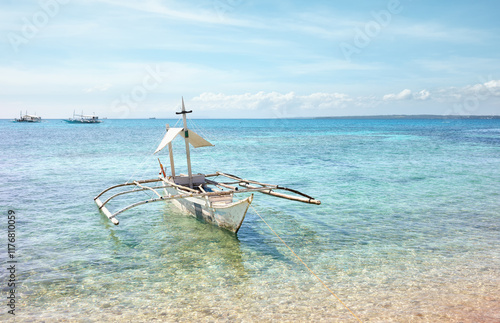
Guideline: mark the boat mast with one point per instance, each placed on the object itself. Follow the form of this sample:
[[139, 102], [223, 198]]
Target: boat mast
[[171, 154], [186, 140]]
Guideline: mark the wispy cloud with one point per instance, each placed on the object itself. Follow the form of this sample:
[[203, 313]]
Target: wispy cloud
[[98, 88], [178, 11], [403, 95], [323, 65], [271, 100], [436, 32]]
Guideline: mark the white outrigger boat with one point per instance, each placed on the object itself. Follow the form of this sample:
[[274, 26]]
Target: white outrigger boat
[[28, 118], [198, 194], [81, 118]]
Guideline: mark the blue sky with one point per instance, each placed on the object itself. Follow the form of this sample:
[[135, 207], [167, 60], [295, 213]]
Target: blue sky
[[249, 59]]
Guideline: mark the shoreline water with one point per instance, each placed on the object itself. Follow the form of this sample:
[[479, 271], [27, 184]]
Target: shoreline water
[[408, 229]]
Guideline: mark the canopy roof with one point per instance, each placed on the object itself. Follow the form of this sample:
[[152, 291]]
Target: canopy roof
[[194, 139]]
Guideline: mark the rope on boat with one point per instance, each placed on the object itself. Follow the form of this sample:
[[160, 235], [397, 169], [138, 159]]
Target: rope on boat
[[310, 270], [201, 131], [146, 158]]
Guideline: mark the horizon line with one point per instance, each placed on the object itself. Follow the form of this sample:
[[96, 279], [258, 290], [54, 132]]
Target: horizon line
[[377, 116]]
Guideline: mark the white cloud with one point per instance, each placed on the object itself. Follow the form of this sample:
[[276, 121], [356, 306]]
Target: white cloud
[[491, 88], [431, 31], [483, 91], [321, 65], [403, 95], [175, 10], [98, 88], [422, 95], [272, 100], [291, 104]]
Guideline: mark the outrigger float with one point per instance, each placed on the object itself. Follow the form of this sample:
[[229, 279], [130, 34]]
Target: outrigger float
[[199, 194]]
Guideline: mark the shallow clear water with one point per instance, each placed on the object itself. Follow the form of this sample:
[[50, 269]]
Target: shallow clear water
[[408, 229]]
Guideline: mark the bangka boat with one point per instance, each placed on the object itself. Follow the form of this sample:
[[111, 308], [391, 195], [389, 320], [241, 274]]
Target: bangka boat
[[81, 118], [28, 118], [201, 195]]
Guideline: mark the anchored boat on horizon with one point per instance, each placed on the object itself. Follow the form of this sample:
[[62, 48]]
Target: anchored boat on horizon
[[81, 118], [28, 118], [201, 195]]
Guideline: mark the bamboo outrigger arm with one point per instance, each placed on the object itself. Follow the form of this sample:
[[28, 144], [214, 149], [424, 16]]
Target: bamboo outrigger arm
[[306, 199], [268, 189], [105, 210], [142, 188], [131, 191], [126, 184]]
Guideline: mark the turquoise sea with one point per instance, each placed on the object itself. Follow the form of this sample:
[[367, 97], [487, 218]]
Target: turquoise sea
[[408, 229]]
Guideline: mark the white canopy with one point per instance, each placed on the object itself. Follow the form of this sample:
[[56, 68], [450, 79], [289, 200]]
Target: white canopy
[[194, 139]]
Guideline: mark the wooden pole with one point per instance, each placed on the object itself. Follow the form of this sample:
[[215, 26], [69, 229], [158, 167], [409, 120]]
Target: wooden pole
[[284, 196], [246, 180], [222, 184], [171, 155], [126, 184], [106, 212], [161, 168], [131, 191], [186, 140]]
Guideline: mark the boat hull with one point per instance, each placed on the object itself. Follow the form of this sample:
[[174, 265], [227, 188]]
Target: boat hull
[[32, 121], [229, 216], [79, 121]]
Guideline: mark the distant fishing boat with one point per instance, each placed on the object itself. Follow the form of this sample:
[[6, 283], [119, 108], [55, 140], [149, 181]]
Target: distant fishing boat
[[28, 118], [198, 194], [81, 118]]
